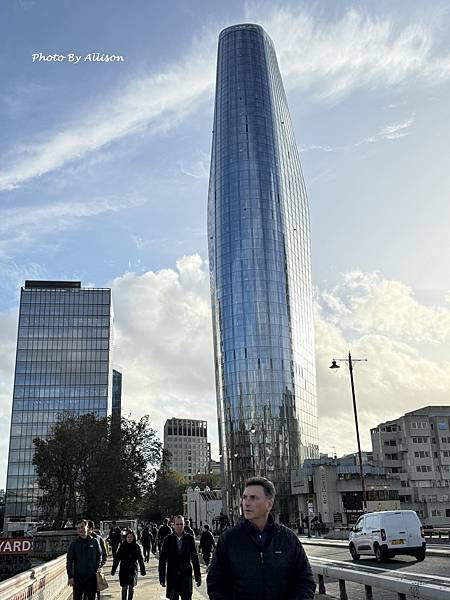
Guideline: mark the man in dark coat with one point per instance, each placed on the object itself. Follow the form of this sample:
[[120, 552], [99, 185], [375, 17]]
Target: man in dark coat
[[207, 544], [163, 531], [83, 562], [259, 559], [188, 528], [146, 541], [179, 554], [114, 538]]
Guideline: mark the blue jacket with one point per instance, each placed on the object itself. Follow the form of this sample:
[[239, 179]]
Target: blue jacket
[[83, 557]]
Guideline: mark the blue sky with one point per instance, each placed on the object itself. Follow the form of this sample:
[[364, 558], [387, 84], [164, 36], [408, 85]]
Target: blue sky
[[104, 175]]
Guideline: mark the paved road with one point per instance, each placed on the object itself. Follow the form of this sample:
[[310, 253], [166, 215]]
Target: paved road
[[432, 567]]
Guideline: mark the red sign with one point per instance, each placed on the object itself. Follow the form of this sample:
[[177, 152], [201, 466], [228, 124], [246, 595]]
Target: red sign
[[15, 545]]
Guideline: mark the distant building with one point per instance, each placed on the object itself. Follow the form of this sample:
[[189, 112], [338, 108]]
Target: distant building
[[203, 507], [116, 403], [187, 442], [330, 488], [62, 364], [416, 448]]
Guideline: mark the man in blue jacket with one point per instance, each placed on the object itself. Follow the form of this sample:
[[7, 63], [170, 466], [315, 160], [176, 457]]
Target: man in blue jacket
[[83, 562], [259, 559]]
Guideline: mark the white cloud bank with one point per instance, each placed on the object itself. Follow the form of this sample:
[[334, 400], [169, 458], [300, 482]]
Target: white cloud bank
[[328, 59], [163, 342]]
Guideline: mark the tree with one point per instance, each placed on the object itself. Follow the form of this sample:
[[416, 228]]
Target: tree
[[166, 496], [87, 467]]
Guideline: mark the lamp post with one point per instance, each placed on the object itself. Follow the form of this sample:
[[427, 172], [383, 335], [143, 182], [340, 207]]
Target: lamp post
[[350, 362]]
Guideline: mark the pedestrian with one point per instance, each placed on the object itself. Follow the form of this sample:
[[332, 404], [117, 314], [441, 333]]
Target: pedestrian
[[188, 528], [83, 562], [163, 532], [101, 541], [154, 532], [207, 544], [129, 556], [146, 541], [179, 556], [259, 559], [114, 538]]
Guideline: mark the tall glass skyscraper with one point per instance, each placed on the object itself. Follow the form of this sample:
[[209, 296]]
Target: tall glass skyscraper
[[260, 267], [62, 364]]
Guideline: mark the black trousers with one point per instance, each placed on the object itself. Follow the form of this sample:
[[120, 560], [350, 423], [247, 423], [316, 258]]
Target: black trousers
[[85, 586]]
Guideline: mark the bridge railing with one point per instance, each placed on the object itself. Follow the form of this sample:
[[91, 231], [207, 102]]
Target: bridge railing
[[439, 533], [403, 587], [45, 582]]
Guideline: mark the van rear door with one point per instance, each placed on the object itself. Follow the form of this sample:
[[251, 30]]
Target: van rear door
[[395, 528], [412, 527]]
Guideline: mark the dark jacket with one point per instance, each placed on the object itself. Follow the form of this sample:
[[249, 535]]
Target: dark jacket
[[207, 542], [128, 555], [83, 557], [242, 570], [163, 532], [103, 549], [179, 565], [115, 536], [146, 538]]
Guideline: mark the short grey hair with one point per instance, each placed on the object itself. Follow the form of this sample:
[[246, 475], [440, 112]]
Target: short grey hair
[[266, 484]]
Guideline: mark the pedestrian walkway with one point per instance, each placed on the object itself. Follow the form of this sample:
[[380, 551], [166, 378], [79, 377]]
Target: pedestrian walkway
[[148, 587]]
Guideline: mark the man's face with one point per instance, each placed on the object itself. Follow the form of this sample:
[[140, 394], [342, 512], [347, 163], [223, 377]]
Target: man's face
[[179, 526], [255, 503], [82, 530]]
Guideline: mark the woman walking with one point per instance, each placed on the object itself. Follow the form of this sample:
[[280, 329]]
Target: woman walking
[[129, 555]]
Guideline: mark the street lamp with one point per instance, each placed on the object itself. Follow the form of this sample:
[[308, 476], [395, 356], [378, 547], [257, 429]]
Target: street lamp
[[350, 362]]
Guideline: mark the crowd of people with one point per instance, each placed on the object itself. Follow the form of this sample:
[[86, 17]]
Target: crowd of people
[[255, 560]]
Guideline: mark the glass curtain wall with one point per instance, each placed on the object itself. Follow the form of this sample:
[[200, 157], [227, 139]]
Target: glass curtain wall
[[62, 364], [260, 268]]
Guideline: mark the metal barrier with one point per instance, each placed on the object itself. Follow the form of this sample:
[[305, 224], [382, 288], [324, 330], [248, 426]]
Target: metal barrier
[[46, 582], [402, 586], [440, 533]]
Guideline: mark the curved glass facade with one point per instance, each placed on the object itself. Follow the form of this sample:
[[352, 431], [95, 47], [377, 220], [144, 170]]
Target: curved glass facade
[[259, 251]]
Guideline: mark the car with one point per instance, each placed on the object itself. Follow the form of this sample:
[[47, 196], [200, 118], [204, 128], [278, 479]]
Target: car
[[386, 534]]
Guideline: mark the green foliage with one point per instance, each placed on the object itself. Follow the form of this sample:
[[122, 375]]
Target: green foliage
[[95, 468], [166, 497]]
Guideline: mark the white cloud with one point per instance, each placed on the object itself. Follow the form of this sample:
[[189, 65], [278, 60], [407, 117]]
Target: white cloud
[[197, 169], [328, 59], [153, 103], [338, 57], [163, 342], [397, 130], [21, 226]]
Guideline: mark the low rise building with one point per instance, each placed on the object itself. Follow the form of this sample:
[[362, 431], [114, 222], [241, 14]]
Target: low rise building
[[416, 448], [330, 489], [203, 507]]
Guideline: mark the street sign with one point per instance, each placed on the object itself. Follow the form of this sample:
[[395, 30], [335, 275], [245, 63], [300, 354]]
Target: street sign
[[15, 546], [310, 508]]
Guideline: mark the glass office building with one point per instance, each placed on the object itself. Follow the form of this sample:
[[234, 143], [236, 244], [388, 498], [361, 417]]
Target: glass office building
[[62, 364], [260, 268]]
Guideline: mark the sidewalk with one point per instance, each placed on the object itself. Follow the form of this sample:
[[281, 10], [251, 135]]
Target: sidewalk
[[148, 587]]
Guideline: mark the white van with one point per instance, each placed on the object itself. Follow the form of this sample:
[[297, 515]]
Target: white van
[[385, 534]]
